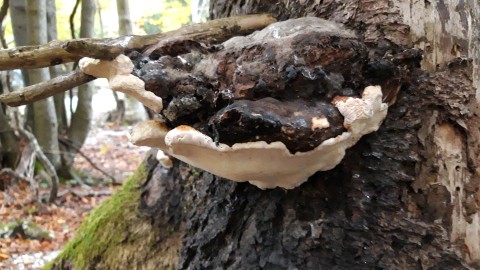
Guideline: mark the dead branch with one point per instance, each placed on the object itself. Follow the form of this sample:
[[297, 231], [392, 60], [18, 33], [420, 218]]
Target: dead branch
[[90, 193], [46, 89], [77, 149], [72, 17], [58, 52], [81, 194], [26, 168], [47, 165]]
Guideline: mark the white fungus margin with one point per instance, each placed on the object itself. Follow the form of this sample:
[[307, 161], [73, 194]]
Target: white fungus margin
[[270, 165]]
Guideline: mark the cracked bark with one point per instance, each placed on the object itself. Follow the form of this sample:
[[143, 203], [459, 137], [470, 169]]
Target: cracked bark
[[405, 197]]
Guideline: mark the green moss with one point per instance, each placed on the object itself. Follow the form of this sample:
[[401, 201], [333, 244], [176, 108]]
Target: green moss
[[117, 236]]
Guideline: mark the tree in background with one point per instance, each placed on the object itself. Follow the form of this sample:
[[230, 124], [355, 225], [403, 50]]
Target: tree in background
[[34, 22], [174, 15], [81, 120], [129, 107], [71, 132], [45, 126]]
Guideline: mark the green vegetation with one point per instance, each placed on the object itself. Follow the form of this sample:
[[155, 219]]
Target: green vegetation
[[117, 236], [147, 16], [174, 15]]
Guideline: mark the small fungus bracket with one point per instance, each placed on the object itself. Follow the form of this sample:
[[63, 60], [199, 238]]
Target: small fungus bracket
[[118, 73]]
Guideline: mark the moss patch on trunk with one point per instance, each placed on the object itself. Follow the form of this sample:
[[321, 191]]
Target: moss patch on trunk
[[117, 236]]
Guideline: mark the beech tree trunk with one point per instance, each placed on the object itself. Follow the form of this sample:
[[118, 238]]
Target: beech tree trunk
[[82, 117], [404, 197], [124, 21], [45, 126], [127, 107], [56, 71]]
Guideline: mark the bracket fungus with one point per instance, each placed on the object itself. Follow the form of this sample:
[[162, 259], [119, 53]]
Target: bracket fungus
[[268, 165], [118, 72], [271, 108]]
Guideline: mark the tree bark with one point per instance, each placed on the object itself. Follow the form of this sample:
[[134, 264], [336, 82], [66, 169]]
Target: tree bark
[[82, 118], [56, 71], [124, 21], [404, 197], [18, 16], [45, 120], [8, 142], [130, 108]]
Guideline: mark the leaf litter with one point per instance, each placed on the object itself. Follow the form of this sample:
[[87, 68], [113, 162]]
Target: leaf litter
[[110, 150]]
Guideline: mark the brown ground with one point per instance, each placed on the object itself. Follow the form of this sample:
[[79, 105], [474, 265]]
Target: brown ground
[[108, 147]]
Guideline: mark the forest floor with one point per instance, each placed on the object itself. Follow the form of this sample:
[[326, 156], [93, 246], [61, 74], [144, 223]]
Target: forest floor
[[109, 149]]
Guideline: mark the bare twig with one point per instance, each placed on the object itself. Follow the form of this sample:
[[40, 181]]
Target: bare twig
[[47, 165], [3, 13], [46, 89], [72, 17], [91, 193], [77, 149], [57, 52]]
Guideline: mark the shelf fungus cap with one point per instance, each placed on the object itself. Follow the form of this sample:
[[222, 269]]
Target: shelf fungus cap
[[118, 72], [268, 165], [150, 133]]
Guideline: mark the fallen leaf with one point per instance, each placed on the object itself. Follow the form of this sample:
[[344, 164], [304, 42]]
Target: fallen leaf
[[3, 256]]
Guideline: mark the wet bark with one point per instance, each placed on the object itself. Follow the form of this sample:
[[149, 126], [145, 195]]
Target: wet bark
[[404, 197]]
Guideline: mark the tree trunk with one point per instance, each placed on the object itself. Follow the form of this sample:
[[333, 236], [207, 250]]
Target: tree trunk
[[404, 197], [56, 71], [199, 10], [82, 118], [124, 21], [8, 142], [129, 107], [18, 16], [45, 120]]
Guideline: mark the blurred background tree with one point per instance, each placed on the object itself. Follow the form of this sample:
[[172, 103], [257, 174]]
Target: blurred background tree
[[61, 124]]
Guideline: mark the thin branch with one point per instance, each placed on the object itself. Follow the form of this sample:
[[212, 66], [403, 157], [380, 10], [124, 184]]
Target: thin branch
[[46, 89], [3, 14], [77, 149], [90, 193], [47, 165], [57, 52], [72, 17]]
